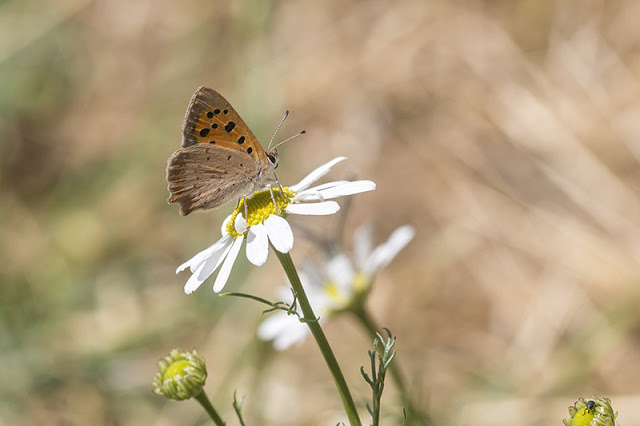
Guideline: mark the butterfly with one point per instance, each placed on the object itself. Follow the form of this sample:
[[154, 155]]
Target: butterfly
[[220, 158]]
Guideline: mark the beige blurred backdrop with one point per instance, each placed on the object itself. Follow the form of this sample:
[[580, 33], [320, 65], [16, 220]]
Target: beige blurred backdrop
[[506, 132]]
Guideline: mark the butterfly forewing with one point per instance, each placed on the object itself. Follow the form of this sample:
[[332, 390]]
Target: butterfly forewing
[[210, 119]]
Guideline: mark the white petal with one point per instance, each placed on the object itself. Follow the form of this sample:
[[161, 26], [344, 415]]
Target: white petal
[[308, 195], [275, 324], [196, 261], [330, 185], [296, 335], [193, 282], [327, 207], [223, 275], [207, 267], [384, 253], [284, 329], [223, 228], [317, 192], [257, 245], [280, 233], [349, 188], [362, 243], [316, 174], [240, 224], [341, 272]]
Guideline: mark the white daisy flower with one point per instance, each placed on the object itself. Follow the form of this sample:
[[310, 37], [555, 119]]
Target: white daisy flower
[[266, 223], [337, 287]]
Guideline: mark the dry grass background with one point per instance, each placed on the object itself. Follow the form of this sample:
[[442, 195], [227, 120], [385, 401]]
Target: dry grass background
[[506, 132]]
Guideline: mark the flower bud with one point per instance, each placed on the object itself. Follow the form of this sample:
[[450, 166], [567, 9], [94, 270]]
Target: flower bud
[[180, 376], [591, 412]]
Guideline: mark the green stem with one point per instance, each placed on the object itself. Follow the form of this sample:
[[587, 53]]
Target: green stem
[[204, 401], [417, 416], [318, 334]]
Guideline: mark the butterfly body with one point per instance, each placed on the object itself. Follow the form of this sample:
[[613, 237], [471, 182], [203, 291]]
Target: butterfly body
[[220, 158]]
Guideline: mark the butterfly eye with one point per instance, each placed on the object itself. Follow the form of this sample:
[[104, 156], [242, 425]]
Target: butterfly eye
[[273, 158]]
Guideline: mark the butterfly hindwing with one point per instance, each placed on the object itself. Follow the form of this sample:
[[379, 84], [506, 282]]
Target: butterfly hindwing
[[199, 176], [210, 119]]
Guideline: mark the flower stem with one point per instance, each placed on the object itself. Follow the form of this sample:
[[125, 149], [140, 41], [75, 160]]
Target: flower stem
[[416, 415], [318, 334], [204, 401]]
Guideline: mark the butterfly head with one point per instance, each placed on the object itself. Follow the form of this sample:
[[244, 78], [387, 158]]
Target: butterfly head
[[273, 157]]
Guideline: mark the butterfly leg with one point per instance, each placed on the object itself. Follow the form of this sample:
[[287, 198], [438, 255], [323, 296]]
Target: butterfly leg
[[279, 186], [246, 212], [273, 199]]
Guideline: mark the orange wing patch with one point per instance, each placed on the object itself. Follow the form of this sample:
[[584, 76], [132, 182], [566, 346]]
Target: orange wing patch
[[212, 120]]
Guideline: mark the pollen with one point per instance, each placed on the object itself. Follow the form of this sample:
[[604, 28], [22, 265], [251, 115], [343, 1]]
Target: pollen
[[260, 206]]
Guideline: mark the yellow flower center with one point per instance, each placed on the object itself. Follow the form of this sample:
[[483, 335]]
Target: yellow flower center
[[343, 300], [360, 282], [260, 207], [177, 368], [583, 417], [335, 294]]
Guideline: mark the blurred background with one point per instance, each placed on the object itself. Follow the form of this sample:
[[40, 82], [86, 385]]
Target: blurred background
[[506, 132]]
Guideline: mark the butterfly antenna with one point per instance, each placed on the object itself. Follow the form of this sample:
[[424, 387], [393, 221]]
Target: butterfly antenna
[[286, 113], [288, 139]]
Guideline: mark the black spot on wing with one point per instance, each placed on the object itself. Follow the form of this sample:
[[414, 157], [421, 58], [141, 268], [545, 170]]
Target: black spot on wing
[[229, 126]]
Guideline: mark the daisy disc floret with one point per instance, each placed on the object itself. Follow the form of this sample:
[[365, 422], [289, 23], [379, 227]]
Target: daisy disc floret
[[266, 223]]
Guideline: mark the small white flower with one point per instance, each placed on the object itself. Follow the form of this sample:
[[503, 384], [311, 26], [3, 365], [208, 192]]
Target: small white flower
[[334, 288], [265, 223]]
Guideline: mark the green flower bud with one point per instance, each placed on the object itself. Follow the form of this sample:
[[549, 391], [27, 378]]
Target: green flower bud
[[180, 376], [591, 412]]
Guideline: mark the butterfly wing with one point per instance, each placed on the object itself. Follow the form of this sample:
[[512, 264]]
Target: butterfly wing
[[210, 119], [207, 176], [220, 159]]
